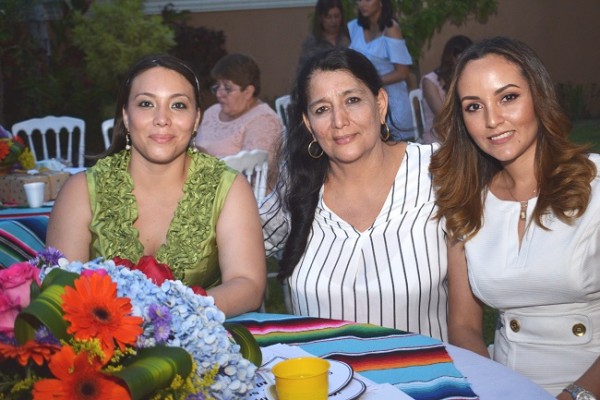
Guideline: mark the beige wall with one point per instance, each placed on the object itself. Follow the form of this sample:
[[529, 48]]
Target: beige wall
[[565, 33]]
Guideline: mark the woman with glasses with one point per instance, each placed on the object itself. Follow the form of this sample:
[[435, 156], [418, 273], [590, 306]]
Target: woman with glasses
[[240, 120]]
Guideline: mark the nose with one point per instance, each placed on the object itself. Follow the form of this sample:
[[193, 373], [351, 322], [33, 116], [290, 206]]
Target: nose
[[161, 116], [493, 116], [340, 117]]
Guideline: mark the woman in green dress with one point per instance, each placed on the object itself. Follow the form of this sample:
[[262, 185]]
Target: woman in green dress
[[150, 194]]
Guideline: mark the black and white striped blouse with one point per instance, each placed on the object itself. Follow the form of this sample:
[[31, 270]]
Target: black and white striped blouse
[[392, 274]]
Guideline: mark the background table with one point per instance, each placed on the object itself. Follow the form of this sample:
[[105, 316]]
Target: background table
[[422, 367]]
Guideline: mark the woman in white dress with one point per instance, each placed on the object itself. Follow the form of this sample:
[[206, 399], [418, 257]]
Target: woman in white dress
[[377, 35], [522, 211], [359, 242]]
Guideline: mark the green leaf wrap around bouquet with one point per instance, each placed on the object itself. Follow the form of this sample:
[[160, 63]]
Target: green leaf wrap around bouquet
[[154, 368], [46, 308]]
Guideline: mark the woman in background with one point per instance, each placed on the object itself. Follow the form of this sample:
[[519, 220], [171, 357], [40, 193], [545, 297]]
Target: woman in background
[[359, 241], [240, 120], [435, 84], [522, 210], [329, 29], [153, 195], [377, 35]]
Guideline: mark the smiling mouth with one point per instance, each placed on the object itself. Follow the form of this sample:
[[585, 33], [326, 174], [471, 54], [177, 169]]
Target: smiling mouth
[[501, 136]]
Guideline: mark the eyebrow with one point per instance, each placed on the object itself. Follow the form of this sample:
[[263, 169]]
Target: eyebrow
[[497, 91], [174, 95], [344, 93]]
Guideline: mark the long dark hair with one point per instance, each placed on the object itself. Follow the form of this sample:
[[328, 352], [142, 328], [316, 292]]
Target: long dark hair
[[461, 171], [385, 19], [452, 49], [119, 134], [303, 174]]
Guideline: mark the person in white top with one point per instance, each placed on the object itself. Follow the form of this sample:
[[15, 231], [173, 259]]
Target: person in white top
[[522, 210], [359, 242]]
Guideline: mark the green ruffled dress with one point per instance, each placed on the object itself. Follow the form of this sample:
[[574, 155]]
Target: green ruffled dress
[[191, 248]]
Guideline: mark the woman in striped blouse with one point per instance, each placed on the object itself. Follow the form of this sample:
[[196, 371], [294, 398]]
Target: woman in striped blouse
[[359, 242]]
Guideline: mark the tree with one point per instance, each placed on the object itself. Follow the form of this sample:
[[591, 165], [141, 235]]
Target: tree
[[113, 35]]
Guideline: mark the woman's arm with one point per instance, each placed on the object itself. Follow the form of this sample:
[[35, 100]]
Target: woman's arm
[[400, 72], [588, 381], [465, 319], [241, 252], [68, 229], [432, 95]]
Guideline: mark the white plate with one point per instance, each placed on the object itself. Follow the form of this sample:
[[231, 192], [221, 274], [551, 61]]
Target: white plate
[[350, 392], [340, 375]]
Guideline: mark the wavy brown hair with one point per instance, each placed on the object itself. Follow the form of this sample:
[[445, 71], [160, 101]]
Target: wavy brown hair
[[461, 171]]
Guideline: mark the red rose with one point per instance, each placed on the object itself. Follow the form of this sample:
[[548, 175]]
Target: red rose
[[153, 270], [124, 262], [199, 290]]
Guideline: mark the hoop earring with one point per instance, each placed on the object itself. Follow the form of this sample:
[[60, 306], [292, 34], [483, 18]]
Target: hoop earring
[[310, 151], [385, 132], [127, 141]]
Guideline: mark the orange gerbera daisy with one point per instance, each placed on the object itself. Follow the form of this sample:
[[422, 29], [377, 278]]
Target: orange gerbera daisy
[[78, 378], [95, 311], [38, 352]]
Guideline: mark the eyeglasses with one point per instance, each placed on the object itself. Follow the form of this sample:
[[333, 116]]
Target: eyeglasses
[[226, 88]]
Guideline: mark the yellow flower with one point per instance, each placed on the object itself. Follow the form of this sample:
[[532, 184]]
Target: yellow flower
[[26, 159]]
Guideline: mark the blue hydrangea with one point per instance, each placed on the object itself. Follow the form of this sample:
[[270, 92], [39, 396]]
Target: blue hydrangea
[[196, 325]]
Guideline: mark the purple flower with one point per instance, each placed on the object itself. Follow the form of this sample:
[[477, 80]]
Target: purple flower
[[160, 317], [50, 256]]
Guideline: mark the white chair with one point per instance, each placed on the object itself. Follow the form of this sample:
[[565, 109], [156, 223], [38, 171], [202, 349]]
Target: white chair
[[107, 126], [282, 106], [254, 164], [415, 97], [61, 126]]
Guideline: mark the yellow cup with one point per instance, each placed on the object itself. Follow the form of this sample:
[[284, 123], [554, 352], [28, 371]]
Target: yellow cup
[[302, 378]]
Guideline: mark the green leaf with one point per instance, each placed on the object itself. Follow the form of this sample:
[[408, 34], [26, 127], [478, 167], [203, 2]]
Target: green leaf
[[248, 345], [46, 308], [154, 368]]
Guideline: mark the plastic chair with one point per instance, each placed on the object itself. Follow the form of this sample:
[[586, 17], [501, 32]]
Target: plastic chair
[[416, 106], [107, 126], [282, 107], [61, 126], [254, 164]]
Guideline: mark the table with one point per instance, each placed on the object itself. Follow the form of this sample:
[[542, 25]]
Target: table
[[22, 233], [24, 212], [422, 367]]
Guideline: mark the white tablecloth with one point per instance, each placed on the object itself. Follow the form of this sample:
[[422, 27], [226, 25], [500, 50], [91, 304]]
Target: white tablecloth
[[493, 381]]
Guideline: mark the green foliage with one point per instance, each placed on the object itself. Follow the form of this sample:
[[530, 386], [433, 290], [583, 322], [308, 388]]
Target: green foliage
[[200, 47], [115, 34], [420, 19]]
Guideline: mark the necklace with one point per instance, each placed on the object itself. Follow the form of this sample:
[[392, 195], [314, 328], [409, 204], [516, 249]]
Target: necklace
[[524, 203]]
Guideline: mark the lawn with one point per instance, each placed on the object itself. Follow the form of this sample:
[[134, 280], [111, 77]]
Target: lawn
[[585, 132]]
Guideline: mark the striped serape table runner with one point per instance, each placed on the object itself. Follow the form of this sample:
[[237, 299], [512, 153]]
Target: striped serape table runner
[[418, 365], [21, 238], [24, 212]]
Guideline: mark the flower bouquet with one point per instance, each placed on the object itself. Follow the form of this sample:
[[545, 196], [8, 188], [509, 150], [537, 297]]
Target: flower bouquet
[[14, 154], [98, 330]]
